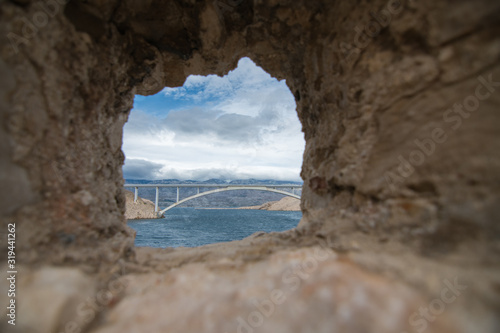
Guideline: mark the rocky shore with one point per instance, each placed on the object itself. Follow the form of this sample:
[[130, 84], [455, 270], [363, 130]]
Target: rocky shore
[[142, 209], [285, 204]]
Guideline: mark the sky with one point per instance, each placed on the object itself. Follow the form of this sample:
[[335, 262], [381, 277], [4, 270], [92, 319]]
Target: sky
[[240, 126]]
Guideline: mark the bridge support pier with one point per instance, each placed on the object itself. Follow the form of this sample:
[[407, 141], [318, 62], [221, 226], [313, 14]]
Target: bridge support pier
[[177, 195], [156, 200]]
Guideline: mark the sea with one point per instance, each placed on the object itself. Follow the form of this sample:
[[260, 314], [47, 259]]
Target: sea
[[190, 227]]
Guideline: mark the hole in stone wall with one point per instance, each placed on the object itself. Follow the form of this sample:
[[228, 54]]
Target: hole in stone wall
[[238, 130]]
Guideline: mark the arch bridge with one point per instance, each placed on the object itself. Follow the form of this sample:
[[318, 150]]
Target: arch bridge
[[212, 188]]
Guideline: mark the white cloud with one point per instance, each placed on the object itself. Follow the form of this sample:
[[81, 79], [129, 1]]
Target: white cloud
[[248, 128]]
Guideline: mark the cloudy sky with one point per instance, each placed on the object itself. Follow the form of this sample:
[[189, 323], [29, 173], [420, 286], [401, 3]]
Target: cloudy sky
[[243, 125]]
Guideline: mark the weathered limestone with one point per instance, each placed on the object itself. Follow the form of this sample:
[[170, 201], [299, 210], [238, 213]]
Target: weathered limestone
[[400, 167], [305, 290], [46, 299]]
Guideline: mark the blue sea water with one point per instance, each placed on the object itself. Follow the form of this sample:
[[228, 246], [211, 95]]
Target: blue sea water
[[191, 227]]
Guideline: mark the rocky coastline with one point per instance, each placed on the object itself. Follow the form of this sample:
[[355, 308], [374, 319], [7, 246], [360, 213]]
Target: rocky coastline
[[285, 204], [141, 209]]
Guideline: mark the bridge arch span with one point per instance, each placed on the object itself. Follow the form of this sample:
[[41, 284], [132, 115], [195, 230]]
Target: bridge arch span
[[233, 188]]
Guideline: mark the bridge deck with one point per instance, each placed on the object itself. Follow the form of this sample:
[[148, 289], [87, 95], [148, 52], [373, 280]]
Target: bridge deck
[[217, 188], [213, 185]]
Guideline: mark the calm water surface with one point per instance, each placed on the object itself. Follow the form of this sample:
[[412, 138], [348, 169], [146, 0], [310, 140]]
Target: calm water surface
[[191, 227]]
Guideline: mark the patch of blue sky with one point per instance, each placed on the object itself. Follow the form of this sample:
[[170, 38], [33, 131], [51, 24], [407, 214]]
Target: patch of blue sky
[[161, 104], [210, 91]]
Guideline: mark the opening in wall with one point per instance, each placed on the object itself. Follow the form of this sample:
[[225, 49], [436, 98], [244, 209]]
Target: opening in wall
[[215, 143]]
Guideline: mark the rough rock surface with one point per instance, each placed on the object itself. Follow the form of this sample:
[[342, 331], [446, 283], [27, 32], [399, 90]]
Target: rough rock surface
[[47, 298], [400, 169], [304, 290], [285, 204], [141, 209]]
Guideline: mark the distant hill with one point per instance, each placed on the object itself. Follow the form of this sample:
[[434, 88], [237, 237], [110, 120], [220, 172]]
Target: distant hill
[[229, 199]]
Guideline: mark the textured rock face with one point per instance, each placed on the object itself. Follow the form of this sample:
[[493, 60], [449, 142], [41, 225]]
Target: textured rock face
[[387, 151], [53, 294], [401, 127], [63, 109], [307, 290]]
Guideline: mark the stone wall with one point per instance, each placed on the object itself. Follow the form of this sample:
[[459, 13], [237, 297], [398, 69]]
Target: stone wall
[[398, 102], [385, 153]]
